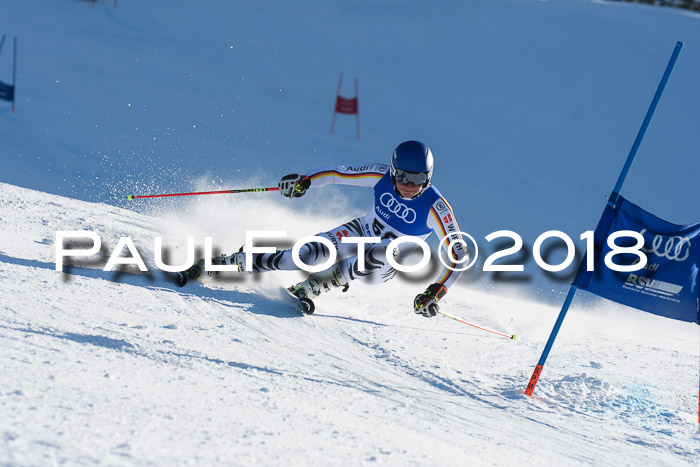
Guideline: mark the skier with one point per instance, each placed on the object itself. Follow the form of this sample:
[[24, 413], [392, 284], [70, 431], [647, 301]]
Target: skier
[[405, 203]]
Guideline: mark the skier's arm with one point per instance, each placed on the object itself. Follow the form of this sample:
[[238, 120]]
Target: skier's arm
[[295, 185], [442, 221], [366, 175]]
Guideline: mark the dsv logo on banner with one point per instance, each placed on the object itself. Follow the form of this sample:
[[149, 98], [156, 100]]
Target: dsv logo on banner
[[675, 248], [401, 210]]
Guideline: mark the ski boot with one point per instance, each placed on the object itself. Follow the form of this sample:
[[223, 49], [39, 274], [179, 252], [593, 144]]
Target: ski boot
[[237, 259], [319, 283], [198, 271]]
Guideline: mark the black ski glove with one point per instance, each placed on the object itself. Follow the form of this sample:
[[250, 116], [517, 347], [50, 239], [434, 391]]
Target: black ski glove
[[426, 303], [294, 185]]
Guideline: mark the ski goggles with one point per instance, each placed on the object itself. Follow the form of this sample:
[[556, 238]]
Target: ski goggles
[[417, 178]]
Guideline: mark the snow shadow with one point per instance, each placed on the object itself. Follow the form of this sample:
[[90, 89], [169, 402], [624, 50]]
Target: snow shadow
[[96, 340], [204, 358], [256, 303]]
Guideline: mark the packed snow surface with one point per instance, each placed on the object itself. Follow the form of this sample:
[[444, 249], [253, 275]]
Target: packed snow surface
[[114, 368]]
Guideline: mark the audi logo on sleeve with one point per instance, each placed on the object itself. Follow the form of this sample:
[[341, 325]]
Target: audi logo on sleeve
[[397, 208]]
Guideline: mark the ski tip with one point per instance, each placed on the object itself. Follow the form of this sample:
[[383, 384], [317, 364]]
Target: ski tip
[[180, 279], [512, 337], [308, 306], [129, 197]]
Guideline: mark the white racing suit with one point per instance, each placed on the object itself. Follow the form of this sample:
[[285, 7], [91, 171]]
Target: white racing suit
[[392, 217]]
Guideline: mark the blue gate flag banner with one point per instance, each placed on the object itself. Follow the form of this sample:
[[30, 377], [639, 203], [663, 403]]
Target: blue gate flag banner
[[667, 285], [7, 92]]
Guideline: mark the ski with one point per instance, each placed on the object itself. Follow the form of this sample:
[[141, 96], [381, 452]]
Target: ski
[[182, 277], [304, 305]]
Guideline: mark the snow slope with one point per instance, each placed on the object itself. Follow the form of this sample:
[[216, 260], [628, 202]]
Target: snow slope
[[107, 368]]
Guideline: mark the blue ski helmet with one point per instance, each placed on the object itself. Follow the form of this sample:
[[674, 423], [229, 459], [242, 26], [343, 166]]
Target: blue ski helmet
[[412, 161]]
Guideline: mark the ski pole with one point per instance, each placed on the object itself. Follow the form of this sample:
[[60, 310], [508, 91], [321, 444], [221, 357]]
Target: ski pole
[[512, 336], [244, 190]]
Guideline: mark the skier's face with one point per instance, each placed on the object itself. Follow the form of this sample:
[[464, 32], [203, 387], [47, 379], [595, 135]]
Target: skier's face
[[408, 190]]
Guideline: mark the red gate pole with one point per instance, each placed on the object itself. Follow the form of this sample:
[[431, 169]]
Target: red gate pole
[[337, 94], [357, 110]]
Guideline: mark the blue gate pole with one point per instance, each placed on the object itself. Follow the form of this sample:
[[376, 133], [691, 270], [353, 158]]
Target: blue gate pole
[[14, 75], [553, 335], [638, 140], [612, 201]]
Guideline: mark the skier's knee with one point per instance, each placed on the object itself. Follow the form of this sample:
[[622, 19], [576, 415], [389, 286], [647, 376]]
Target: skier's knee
[[314, 253]]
